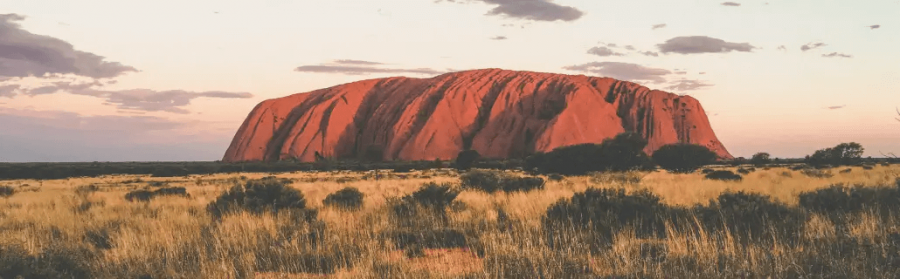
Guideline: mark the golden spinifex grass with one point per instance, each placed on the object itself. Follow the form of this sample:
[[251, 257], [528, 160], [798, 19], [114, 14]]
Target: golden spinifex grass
[[85, 228]]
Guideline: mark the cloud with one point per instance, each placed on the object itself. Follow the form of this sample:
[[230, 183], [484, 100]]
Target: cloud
[[498, 38], [731, 4], [362, 69], [835, 54], [629, 47], [535, 10], [8, 90], [702, 44], [687, 85], [355, 62], [811, 46], [603, 51], [622, 71], [136, 99], [24, 54], [649, 53], [56, 136], [680, 72], [782, 48], [658, 26], [836, 107], [876, 26]]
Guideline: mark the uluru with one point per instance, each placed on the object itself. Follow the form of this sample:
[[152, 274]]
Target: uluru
[[499, 113]]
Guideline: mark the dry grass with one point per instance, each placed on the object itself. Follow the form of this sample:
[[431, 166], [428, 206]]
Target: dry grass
[[104, 236]]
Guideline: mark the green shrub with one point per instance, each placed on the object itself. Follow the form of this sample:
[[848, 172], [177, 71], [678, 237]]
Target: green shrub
[[841, 154], [466, 158], [7, 191], [55, 261], [432, 197], [723, 175], [683, 158], [146, 195], [624, 152], [816, 173], [842, 199], [493, 181], [348, 198], [259, 196], [624, 178], [603, 212], [752, 215]]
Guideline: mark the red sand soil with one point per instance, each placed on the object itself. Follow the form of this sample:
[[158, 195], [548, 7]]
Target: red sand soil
[[499, 113]]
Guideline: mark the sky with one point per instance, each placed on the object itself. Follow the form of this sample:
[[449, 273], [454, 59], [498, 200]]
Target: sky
[[172, 80]]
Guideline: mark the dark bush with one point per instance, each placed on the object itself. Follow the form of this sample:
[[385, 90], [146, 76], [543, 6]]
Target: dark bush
[[868, 167], [760, 159], [841, 155], [683, 158], [743, 171], [816, 173], [55, 261], [348, 198], [555, 177], [432, 197], [603, 212], [146, 195], [493, 181], [7, 191], [415, 251], [428, 238], [724, 175], [752, 215], [848, 170], [624, 152], [465, 159], [841, 199], [259, 196], [706, 171]]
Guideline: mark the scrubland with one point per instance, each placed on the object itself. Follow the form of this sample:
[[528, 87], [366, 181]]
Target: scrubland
[[775, 223]]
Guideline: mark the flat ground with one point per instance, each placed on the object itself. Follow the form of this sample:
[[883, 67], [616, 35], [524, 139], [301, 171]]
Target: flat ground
[[66, 228]]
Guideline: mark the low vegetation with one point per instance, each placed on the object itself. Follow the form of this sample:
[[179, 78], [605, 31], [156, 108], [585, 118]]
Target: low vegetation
[[741, 221]]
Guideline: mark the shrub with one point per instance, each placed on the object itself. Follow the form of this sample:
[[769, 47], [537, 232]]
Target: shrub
[[683, 158], [816, 173], [348, 198], [7, 191], [842, 199], [55, 261], [85, 190], [624, 152], [743, 171], [751, 215], [433, 197], [706, 171], [259, 196], [466, 158], [848, 170], [625, 178], [493, 181], [760, 159], [146, 195], [842, 154], [555, 177], [724, 175], [606, 211]]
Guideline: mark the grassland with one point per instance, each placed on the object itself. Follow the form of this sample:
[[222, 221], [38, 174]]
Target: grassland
[[85, 228]]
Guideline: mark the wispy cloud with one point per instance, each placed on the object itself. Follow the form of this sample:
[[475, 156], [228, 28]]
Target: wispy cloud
[[731, 4], [702, 44], [811, 46], [836, 107], [622, 71], [603, 51], [687, 85], [363, 69], [839, 55], [876, 26], [8, 90], [23, 54], [498, 38], [534, 10], [355, 62], [658, 26]]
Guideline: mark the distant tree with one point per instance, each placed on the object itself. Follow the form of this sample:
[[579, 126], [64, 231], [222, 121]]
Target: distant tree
[[683, 158], [842, 154], [623, 152], [760, 159], [466, 158]]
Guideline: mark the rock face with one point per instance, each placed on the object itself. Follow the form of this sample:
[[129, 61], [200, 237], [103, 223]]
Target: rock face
[[499, 113]]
